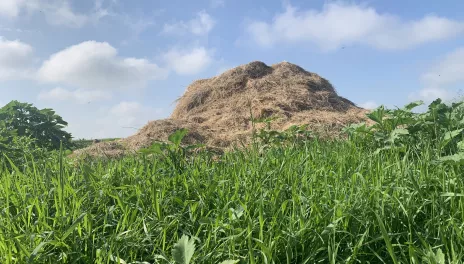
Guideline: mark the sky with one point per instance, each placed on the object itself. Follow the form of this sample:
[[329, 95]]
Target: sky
[[109, 66]]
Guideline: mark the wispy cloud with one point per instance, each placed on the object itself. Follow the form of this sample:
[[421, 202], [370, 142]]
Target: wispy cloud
[[79, 96], [440, 80], [449, 70], [202, 24], [339, 24], [217, 3], [56, 12], [12, 8], [430, 94], [137, 25]]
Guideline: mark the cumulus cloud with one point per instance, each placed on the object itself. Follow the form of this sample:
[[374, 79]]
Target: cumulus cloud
[[16, 58], [188, 62], [339, 24], [202, 24], [96, 65], [79, 96], [369, 105]]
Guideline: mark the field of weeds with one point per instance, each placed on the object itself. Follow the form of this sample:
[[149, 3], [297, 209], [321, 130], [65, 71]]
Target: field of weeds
[[392, 192]]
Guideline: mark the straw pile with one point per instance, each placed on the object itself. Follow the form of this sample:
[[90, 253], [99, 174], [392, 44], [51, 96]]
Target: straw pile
[[218, 111]]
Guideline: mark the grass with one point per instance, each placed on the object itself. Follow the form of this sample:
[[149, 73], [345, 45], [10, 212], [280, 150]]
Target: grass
[[311, 202], [321, 202]]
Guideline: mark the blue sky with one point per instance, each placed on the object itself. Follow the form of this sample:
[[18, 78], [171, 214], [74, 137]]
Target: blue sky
[[110, 66]]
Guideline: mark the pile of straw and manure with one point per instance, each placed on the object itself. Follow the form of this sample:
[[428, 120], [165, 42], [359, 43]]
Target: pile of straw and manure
[[218, 111]]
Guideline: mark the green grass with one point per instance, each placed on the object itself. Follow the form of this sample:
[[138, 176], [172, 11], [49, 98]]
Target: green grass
[[319, 202], [390, 193]]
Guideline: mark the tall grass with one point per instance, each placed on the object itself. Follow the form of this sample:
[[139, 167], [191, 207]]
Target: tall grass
[[312, 202], [327, 202]]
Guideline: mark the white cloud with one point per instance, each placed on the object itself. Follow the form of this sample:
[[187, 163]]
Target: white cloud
[[126, 113], [450, 70], [125, 108], [339, 24], [369, 105], [137, 25], [124, 118], [130, 113], [96, 65], [18, 30], [202, 24], [16, 58], [100, 120], [63, 15], [430, 94], [12, 8], [217, 3], [79, 96], [440, 79], [189, 62], [56, 12]]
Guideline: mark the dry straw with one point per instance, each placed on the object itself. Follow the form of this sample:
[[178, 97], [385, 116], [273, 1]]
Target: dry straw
[[217, 110]]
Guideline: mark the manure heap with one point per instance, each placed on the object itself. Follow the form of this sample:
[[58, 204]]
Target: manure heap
[[217, 111]]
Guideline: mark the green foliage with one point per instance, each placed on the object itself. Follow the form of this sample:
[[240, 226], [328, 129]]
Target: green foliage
[[296, 201], [25, 120], [434, 258], [21, 151], [292, 135], [183, 250], [176, 137], [401, 129], [267, 137], [173, 151], [6, 136], [230, 262]]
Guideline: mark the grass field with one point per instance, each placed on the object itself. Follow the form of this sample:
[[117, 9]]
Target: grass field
[[347, 201]]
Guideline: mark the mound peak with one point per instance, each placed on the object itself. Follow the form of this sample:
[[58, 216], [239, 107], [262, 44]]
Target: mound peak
[[283, 90]]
